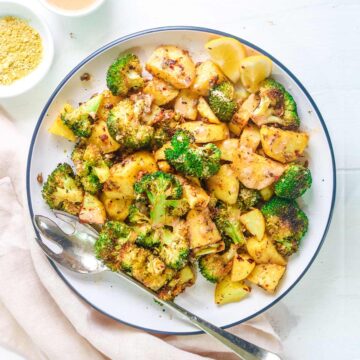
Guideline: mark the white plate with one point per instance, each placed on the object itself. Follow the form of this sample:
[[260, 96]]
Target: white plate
[[111, 295]]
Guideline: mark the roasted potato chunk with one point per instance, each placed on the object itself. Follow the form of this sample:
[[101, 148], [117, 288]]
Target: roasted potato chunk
[[107, 103], [194, 194], [186, 104], [204, 133], [243, 114], [124, 175], [228, 291], [224, 185], [206, 113], [92, 210], [228, 147], [250, 138], [264, 251], [254, 222], [161, 91], [117, 208], [283, 145], [172, 65], [243, 265], [102, 139], [202, 230], [267, 276], [60, 129], [255, 171], [207, 75]]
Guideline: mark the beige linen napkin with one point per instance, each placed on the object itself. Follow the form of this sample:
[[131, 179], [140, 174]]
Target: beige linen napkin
[[41, 318]]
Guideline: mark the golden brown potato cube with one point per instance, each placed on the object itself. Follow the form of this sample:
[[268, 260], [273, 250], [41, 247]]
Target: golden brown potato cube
[[267, 276], [161, 91], [160, 153], [264, 251], [107, 103], [242, 115], [204, 133], [194, 194], [202, 230], [267, 193], [186, 104], [243, 265], [283, 145], [224, 185], [164, 166], [206, 113], [101, 138], [228, 148], [60, 129], [124, 175], [207, 75], [255, 171], [250, 138], [228, 291], [254, 222], [116, 208], [92, 210], [172, 65]]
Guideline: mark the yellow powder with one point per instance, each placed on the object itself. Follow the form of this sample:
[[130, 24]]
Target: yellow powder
[[20, 49]]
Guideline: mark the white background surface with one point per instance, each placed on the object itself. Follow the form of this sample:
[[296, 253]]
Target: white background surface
[[319, 41]]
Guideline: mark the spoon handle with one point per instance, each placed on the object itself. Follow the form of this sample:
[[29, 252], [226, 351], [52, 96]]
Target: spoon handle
[[242, 348]]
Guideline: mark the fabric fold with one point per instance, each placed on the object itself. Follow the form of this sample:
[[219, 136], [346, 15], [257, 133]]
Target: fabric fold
[[41, 318]]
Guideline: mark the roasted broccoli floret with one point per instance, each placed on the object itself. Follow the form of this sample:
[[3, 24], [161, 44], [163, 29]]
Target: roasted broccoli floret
[[62, 191], [293, 183], [162, 191], [221, 101], [165, 127], [113, 235], [227, 220], [183, 278], [125, 127], [124, 74], [276, 106], [80, 120], [215, 267], [174, 248], [247, 198], [144, 266], [286, 223], [201, 162], [90, 166]]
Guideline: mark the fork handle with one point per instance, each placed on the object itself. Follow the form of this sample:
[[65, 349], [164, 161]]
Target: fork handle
[[242, 348]]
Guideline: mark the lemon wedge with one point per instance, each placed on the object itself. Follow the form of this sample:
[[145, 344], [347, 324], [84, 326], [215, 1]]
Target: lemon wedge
[[227, 53], [253, 70]]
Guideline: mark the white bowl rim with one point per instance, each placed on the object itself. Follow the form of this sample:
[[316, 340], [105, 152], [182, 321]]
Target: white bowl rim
[[49, 49], [210, 31], [72, 13]]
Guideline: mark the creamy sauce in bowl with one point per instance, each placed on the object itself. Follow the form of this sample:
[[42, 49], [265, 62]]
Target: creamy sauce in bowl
[[71, 5]]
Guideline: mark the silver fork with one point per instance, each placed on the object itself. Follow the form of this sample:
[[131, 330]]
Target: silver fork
[[77, 254]]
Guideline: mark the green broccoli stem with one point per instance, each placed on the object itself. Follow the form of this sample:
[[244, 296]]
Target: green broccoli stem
[[234, 233], [158, 209]]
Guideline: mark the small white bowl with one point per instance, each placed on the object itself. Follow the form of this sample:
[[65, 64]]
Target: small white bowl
[[72, 13], [17, 9]]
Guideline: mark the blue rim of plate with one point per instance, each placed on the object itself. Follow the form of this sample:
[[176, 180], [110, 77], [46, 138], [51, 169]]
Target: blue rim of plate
[[210, 31]]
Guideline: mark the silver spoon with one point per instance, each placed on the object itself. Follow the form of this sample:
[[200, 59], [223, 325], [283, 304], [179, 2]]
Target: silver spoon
[[77, 255]]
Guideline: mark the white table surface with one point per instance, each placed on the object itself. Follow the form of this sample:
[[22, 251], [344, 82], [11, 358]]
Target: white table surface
[[319, 41]]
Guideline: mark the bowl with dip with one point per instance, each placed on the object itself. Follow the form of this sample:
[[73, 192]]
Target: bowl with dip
[[26, 48], [72, 7]]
